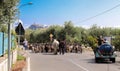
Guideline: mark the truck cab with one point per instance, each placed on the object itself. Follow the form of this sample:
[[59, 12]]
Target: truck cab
[[105, 52]]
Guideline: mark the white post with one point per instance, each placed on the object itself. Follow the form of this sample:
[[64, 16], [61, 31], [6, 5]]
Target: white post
[[19, 30]]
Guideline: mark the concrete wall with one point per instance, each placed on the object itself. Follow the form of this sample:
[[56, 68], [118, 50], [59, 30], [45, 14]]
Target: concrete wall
[[4, 61]]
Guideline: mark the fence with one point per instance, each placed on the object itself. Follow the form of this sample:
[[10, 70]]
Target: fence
[[4, 43]]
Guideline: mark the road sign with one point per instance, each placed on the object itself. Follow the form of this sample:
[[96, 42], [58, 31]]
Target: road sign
[[20, 30]]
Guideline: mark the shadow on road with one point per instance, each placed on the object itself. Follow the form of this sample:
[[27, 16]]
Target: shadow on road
[[117, 63], [92, 61], [48, 54]]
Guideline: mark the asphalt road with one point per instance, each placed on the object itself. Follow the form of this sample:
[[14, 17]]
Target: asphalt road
[[70, 62]]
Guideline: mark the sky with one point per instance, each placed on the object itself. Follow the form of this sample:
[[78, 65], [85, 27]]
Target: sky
[[56, 12]]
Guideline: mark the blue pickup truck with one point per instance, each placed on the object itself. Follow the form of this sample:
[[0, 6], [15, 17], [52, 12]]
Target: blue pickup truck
[[105, 52]]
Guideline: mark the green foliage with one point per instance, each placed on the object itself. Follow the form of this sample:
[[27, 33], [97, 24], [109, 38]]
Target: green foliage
[[8, 10], [93, 30], [92, 42], [69, 28], [116, 42], [20, 57], [62, 34], [84, 36], [32, 38], [98, 31], [3, 28], [72, 34]]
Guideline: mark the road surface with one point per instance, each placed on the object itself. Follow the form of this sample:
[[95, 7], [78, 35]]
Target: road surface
[[69, 62]]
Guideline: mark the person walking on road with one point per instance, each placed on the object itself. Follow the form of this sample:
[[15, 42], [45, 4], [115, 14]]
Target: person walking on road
[[62, 47], [46, 47], [25, 44]]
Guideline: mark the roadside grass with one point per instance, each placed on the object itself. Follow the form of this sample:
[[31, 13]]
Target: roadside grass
[[20, 57], [20, 64]]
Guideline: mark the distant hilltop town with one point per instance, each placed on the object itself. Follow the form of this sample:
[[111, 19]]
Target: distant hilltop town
[[37, 26]]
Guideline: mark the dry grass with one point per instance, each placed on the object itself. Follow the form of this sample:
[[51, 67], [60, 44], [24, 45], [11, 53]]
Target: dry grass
[[19, 65]]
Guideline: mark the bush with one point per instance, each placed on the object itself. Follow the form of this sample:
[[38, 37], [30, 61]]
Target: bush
[[92, 42], [116, 43], [20, 57]]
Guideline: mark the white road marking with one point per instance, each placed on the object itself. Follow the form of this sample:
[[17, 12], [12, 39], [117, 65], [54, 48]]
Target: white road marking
[[28, 69], [78, 65]]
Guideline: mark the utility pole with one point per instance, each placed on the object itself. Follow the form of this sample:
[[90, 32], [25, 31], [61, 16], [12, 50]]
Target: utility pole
[[9, 42]]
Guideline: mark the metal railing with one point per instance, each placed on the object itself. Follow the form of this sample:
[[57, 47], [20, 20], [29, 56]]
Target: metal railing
[[4, 43]]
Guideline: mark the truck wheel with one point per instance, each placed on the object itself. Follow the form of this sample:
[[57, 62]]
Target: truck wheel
[[96, 60], [113, 60]]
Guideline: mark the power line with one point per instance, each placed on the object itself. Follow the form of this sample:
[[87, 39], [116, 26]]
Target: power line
[[99, 14]]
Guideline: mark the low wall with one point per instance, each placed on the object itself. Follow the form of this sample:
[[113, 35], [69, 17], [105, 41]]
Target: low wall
[[4, 61]]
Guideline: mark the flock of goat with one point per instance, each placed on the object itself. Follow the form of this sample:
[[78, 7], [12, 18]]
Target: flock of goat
[[48, 48]]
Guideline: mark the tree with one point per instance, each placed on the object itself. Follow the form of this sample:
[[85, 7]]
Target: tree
[[32, 40], [62, 35], [95, 31], [116, 42], [3, 28], [70, 32], [73, 34], [92, 42], [8, 10], [69, 29]]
